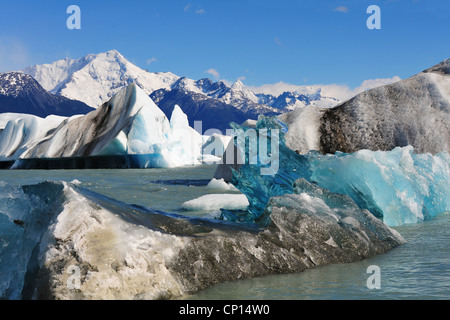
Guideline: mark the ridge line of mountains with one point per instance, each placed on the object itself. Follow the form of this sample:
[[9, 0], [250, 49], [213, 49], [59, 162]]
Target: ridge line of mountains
[[95, 78], [413, 111]]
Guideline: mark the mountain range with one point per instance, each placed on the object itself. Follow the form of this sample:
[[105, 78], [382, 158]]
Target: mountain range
[[21, 93], [413, 111], [95, 78]]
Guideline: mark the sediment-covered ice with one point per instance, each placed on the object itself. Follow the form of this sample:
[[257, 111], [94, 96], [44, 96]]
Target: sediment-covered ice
[[414, 111], [304, 124], [130, 124], [61, 241]]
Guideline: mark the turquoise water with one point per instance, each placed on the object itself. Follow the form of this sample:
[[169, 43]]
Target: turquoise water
[[420, 269]]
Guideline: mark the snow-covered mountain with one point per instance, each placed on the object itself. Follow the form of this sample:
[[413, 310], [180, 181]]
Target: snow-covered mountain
[[244, 99], [212, 113], [216, 104], [292, 100], [95, 78], [20, 93]]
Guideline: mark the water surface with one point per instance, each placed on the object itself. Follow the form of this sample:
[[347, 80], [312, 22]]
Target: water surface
[[419, 269]]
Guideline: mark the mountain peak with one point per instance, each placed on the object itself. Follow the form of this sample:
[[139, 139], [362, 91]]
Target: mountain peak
[[238, 85], [21, 93], [95, 78], [111, 56], [17, 83], [113, 51]]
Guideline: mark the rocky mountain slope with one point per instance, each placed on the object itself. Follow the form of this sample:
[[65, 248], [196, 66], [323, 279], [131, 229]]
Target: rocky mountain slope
[[20, 93]]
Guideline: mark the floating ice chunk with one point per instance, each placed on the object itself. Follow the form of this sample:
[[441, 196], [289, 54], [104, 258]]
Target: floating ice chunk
[[211, 202], [184, 143], [397, 186], [209, 159], [249, 123], [20, 131], [129, 124], [129, 252], [220, 184]]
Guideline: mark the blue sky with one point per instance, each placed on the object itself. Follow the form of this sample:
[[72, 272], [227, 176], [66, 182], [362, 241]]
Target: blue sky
[[261, 42]]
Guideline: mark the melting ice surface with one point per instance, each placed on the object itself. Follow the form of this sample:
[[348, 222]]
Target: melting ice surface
[[398, 186]]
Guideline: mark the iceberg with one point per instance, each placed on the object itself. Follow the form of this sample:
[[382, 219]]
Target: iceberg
[[62, 241], [211, 202], [220, 184], [414, 111], [20, 131], [397, 186], [24, 218], [129, 128], [260, 188]]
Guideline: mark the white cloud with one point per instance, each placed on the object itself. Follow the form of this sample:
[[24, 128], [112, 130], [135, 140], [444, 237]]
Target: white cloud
[[13, 54], [214, 73], [199, 9], [151, 60], [339, 91], [342, 9], [373, 83]]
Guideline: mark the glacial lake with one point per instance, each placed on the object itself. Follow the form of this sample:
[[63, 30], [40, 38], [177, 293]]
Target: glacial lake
[[419, 269]]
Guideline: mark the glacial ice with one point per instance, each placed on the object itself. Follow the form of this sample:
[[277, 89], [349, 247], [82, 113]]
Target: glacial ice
[[217, 201], [220, 184], [414, 111], [20, 131], [304, 124], [130, 124], [24, 218], [398, 186], [126, 251], [260, 188]]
